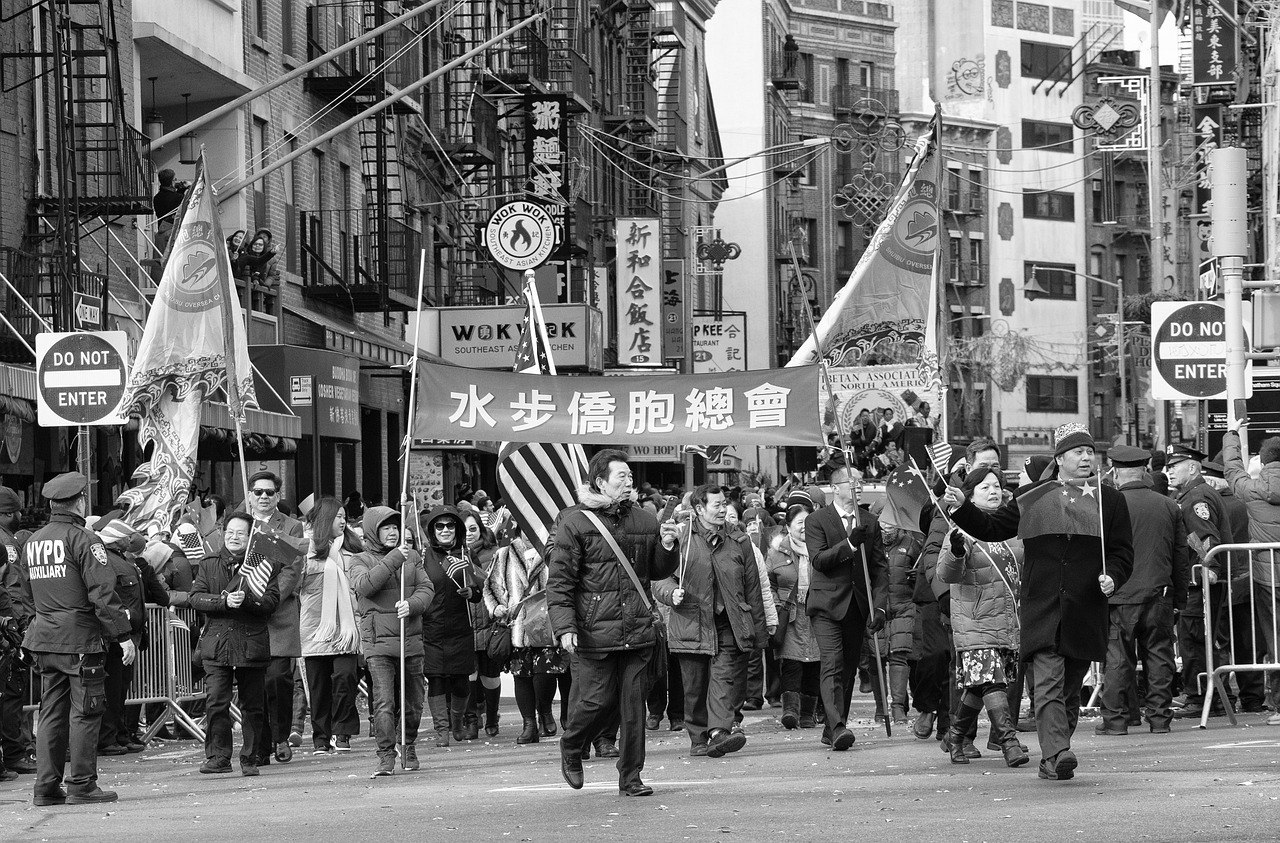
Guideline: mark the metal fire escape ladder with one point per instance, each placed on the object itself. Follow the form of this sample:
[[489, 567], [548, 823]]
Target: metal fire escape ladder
[[380, 165]]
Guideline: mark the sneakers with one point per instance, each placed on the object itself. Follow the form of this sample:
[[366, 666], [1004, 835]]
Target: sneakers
[[342, 743], [841, 739], [322, 750], [216, 765], [698, 750], [386, 766], [248, 769], [723, 742], [1061, 767], [1274, 720], [91, 797], [295, 738], [411, 757]]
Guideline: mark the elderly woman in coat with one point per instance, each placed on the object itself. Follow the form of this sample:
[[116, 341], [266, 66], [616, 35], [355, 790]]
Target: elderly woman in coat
[[984, 578], [789, 574]]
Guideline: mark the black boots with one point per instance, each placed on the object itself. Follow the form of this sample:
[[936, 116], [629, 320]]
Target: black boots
[[790, 709], [492, 696], [955, 738], [529, 734], [899, 679], [808, 709], [439, 708], [1002, 730]]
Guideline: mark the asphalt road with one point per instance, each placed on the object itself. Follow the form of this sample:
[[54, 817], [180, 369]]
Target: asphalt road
[[1221, 784]]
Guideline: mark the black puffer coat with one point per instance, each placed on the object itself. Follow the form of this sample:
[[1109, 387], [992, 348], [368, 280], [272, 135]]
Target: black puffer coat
[[448, 647], [588, 592], [233, 637]]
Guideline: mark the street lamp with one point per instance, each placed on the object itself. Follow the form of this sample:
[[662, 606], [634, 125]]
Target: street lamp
[[1034, 289]]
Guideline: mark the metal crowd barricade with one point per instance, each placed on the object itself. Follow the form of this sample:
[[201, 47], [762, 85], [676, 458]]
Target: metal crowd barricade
[[162, 673], [1262, 554]]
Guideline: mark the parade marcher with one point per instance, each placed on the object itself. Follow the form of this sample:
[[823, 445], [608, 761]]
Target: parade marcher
[[136, 585], [717, 622], [286, 639], [846, 552], [902, 549], [449, 652], [329, 630], [486, 682], [17, 756], [790, 575], [1208, 525], [1262, 497], [1078, 549], [601, 612], [1142, 609], [234, 648], [379, 576], [536, 663], [76, 614], [984, 577]]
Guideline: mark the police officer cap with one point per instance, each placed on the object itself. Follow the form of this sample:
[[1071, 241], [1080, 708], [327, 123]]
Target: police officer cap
[[65, 486], [1127, 456], [9, 502], [1175, 454], [1212, 469]]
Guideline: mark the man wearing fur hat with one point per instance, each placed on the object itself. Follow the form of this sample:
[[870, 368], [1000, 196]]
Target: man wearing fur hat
[[1079, 549]]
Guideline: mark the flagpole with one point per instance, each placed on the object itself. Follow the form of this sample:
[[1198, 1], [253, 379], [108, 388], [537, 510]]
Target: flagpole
[[881, 676], [540, 326], [404, 494]]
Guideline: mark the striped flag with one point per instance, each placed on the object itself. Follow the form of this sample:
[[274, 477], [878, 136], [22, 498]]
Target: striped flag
[[536, 479], [265, 556], [454, 565]]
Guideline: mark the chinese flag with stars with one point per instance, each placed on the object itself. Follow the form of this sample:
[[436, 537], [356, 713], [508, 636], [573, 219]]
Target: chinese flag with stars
[[1060, 507], [906, 495], [537, 480]]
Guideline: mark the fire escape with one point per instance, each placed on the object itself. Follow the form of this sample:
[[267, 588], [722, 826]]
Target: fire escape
[[636, 117], [89, 163], [673, 135], [787, 206], [368, 262]]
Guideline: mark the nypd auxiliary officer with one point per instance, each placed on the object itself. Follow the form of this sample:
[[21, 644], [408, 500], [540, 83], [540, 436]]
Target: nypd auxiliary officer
[[77, 613], [15, 740], [1208, 525]]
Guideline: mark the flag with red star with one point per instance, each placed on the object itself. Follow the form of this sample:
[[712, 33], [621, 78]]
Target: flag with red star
[[906, 496], [1060, 507]]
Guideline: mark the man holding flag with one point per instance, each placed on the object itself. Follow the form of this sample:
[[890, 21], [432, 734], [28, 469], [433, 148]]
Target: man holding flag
[[1079, 549]]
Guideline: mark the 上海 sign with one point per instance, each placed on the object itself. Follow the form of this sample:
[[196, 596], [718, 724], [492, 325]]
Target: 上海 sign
[[1189, 350], [80, 378]]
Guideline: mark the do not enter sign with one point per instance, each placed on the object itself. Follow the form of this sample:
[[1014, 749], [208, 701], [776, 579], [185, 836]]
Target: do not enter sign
[[1189, 350], [80, 378]]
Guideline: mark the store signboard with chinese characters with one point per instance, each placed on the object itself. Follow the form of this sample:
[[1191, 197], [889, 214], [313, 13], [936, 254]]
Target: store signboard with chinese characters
[[673, 293], [639, 302], [761, 407], [336, 383], [719, 342], [546, 150], [1214, 42]]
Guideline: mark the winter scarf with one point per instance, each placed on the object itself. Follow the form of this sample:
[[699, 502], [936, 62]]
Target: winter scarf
[[337, 614], [802, 567]]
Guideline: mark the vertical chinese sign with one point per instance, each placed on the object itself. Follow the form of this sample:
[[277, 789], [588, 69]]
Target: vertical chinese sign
[[639, 305], [546, 149], [1214, 47], [673, 309]]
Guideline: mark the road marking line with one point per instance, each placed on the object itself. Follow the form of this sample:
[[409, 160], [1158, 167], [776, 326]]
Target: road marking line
[[534, 788]]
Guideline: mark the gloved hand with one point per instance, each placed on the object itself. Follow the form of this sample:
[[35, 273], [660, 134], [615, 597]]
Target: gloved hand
[[878, 619], [857, 536], [958, 546]]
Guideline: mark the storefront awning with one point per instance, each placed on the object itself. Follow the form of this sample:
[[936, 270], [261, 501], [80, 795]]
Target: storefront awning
[[353, 340], [217, 414], [17, 381]]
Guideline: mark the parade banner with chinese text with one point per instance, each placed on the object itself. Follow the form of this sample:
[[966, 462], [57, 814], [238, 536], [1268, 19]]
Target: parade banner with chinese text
[[762, 407]]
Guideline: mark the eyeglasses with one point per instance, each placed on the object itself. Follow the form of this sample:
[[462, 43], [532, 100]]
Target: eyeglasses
[[446, 527], [263, 492]]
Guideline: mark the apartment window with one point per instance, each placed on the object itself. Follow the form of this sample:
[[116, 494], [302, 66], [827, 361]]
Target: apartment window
[[953, 189], [842, 73], [867, 74], [955, 254], [1049, 205], [977, 193], [806, 77], [286, 26], [1058, 280], [260, 18], [1045, 61], [1049, 394], [975, 257], [1053, 137], [1096, 201]]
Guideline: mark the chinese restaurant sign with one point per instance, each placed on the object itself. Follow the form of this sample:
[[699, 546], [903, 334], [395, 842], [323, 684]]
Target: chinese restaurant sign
[[547, 153], [639, 300], [1213, 43], [762, 407]]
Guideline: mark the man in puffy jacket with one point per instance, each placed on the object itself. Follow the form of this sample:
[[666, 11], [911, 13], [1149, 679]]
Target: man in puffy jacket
[[392, 594], [597, 614], [717, 622]]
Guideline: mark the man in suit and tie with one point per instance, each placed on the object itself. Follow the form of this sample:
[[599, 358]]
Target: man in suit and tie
[[286, 637], [844, 547]]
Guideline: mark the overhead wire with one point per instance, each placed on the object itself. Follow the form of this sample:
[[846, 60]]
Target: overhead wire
[[1034, 188]]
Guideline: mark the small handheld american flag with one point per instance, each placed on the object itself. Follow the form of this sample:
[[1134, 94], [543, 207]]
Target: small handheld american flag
[[266, 554], [454, 565], [940, 456]]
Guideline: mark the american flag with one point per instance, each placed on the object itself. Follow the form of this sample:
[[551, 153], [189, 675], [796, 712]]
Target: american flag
[[454, 565], [537, 480], [266, 554]]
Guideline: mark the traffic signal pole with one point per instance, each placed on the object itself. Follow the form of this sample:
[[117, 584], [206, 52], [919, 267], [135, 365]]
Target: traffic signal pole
[[1230, 245]]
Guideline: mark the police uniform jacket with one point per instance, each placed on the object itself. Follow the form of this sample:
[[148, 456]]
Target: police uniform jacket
[[14, 596], [233, 637], [136, 586], [1161, 564], [1208, 524], [71, 586]]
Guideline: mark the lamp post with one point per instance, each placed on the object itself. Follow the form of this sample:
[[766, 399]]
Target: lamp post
[[1033, 289]]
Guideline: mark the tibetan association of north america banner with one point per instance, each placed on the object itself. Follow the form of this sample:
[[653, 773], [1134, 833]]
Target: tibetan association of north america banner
[[763, 407]]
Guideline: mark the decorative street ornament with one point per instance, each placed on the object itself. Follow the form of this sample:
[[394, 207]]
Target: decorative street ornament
[[1118, 126], [863, 200], [871, 132], [711, 251]]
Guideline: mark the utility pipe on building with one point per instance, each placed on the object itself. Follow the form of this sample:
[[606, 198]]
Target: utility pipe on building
[[1228, 168], [228, 192]]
